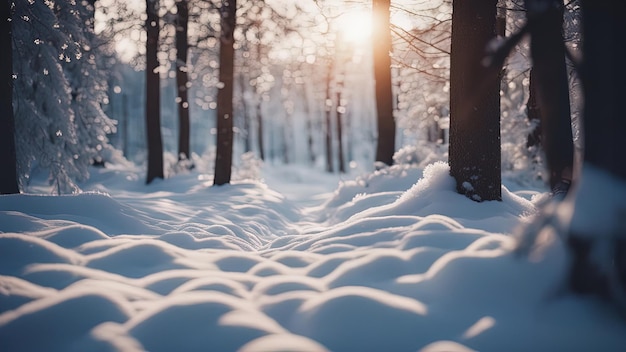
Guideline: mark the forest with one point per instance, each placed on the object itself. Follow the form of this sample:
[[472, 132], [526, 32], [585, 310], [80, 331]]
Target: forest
[[312, 175]]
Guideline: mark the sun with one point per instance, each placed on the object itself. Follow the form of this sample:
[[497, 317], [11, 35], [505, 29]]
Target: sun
[[355, 26]]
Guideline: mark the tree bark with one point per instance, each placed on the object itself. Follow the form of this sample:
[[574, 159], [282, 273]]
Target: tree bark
[[604, 128], [328, 106], [533, 112], [341, 160], [8, 157], [386, 124], [550, 82], [153, 97], [474, 149], [224, 154], [182, 47], [603, 77]]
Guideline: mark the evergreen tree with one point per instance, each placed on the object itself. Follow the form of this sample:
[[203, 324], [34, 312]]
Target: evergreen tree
[[88, 83], [50, 66]]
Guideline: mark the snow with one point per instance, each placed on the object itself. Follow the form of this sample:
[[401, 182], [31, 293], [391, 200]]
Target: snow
[[392, 260]]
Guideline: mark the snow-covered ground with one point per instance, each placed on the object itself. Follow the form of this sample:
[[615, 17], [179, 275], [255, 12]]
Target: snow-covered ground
[[393, 260]]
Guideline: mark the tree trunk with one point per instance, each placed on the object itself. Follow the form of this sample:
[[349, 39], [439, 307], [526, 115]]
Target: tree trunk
[[182, 47], [286, 140], [8, 158], [474, 149], [533, 112], [247, 143], [259, 121], [385, 147], [604, 128], [342, 163], [549, 77], [603, 81], [153, 98], [328, 106], [224, 155], [309, 127]]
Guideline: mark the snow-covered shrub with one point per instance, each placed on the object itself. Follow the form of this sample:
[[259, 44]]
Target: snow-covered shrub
[[422, 154], [249, 167]]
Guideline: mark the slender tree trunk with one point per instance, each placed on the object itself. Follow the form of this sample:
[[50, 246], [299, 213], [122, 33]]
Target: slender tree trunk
[[259, 113], [247, 143], [342, 163], [386, 145], [551, 85], [328, 105], [153, 97], [224, 157], [309, 127], [501, 19], [182, 47], [286, 140], [474, 150], [8, 158], [260, 132], [533, 112], [125, 123]]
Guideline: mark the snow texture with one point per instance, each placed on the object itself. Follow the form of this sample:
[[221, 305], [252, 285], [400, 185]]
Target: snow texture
[[394, 260]]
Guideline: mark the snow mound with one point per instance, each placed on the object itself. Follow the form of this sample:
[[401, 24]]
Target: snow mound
[[396, 260]]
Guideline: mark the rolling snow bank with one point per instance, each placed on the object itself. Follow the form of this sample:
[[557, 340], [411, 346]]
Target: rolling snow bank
[[384, 264]]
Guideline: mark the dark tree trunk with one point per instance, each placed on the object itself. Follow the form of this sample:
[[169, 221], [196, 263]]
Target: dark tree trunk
[[604, 128], [549, 78], [153, 98], [328, 136], [474, 150], [501, 19], [182, 47], [385, 147], [8, 158], [224, 157], [342, 163], [533, 112], [603, 78]]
